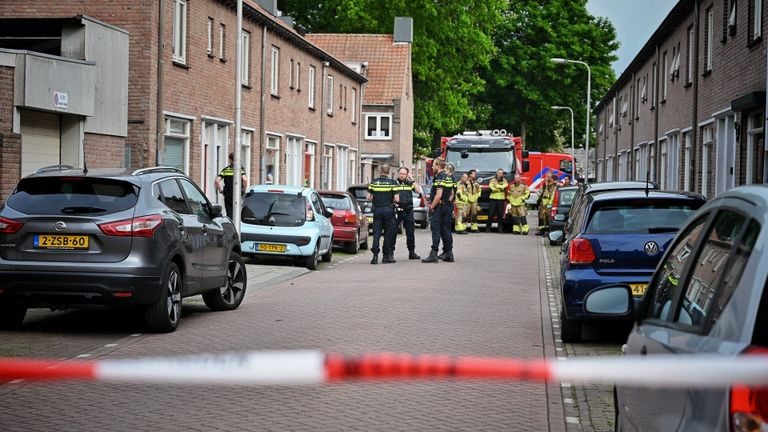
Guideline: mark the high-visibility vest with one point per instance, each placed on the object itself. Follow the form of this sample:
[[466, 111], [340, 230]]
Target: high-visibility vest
[[518, 193], [462, 197], [473, 192], [497, 189]]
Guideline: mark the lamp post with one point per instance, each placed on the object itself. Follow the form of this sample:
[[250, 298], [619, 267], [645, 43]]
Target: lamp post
[[573, 152], [589, 108]]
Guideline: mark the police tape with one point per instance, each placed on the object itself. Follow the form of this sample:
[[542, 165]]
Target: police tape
[[315, 367]]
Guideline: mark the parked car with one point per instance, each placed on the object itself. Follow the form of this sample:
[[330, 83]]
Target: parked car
[[420, 210], [350, 226], [286, 221], [561, 205], [360, 192], [708, 296], [617, 236], [76, 238]]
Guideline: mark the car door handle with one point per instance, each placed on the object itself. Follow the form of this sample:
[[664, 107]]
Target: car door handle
[[205, 230], [644, 350]]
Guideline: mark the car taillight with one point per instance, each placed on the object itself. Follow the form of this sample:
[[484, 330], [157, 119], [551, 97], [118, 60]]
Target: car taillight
[[350, 218], [422, 202], [553, 212], [749, 405], [8, 226], [143, 226], [310, 213], [580, 251]]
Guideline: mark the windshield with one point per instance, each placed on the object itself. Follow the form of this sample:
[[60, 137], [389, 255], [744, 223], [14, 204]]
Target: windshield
[[72, 195], [485, 161], [274, 209], [337, 202]]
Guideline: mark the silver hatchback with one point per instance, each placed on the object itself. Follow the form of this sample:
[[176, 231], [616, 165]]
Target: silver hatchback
[[708, 296]]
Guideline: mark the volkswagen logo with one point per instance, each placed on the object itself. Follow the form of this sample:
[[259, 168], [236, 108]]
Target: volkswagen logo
[[651, 248], [60, 226]]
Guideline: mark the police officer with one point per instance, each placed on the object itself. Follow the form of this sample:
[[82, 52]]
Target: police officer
[[405, 187], [473, 195], [441, 213], [518, 193], [497, 200], [462, 204], [225, 184], [383, 194], [546, 198]]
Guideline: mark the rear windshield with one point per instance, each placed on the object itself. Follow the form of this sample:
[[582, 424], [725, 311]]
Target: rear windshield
[[359, 193], [337, 202], [72, 196], [274, 209], [641, 216], [566, 197]]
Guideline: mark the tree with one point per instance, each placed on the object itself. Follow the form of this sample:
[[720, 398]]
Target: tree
[[452, 43]]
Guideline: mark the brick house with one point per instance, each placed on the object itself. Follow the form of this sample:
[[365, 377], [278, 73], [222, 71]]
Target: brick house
[[387, 109], [300, 105], [689, 110]]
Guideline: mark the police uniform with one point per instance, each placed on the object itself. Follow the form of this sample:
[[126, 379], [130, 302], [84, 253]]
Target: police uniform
[[441, 218], [405, 190], [227, 175], [383, 191]]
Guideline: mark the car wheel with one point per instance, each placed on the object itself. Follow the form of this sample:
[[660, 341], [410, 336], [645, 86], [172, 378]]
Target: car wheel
[[328, 256], [354, 247], [11, 315], [165, 313], [423, 224], [310, 262], [570, 330], [229, 296]]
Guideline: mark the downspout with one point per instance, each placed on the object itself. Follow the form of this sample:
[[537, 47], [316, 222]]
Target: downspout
[[632, 100], [323, 85], [617, 117], [262, 110], [159, 142], [694, 78], [616, 126], [656, 108], [360, 129]]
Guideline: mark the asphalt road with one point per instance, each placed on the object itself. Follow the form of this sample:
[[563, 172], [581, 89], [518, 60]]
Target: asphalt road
[[494, 301]]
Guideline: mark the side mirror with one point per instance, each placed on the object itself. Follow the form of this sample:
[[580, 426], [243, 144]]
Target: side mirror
[[560, 217], [556, 236], [609, 300], [526, 165], [328, 212], [215, 210], [525, 154]]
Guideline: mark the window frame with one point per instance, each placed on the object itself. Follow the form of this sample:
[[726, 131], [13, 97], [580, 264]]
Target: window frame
[[329, 96], [709, 38], [311, 77], [274, 79], [180, 20], [378, 117], [245, 71], [210, 38], [186, 137]]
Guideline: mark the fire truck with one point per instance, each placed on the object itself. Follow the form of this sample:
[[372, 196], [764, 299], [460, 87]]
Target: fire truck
[[488, 150]]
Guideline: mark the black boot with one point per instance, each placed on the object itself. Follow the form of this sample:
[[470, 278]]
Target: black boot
[[388, 259], [448, 256], [412, 255], [441, 256], [375, 259], [432, 258]]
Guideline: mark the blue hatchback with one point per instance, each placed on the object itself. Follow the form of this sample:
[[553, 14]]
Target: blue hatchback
[[617, 237]]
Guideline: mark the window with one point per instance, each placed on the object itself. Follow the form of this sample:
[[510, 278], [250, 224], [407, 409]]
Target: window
[[755, 139], [689, 58], [687, 162], [275, 78], [666, 282], [272, 160], [731, 30], [311, 87], [711, 263], [663, 156], [197, 202], [341, 96], [352, 169], [343, 165], [755, 20], [293, 74], [377, 126], [176, 143], [246, 138], [329, 96], [354, 106], [654, 89], [215, 141], [644, 89], [664, 77], [294, 157], [674, 69], [327, 174], [246, 66], [180, 31], [309, 162], [210, 37], [637, 100], [222, 34], [707, 161], [298, 76], [169, 193], [709, 34]]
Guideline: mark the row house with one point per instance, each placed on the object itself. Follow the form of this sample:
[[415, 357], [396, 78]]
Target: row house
[[140, 83], [689, 110]]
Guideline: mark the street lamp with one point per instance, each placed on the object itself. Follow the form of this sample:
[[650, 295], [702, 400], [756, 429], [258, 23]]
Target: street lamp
[[589, 109], [573, 153]]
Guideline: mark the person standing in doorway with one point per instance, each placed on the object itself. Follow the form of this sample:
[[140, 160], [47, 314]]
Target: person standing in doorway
[[382, 191], [225, 184]]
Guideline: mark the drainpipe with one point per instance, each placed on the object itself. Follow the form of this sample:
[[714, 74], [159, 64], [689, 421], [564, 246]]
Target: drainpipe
[[657, 107], [695, 79], [159, 142], [360, 132], [321, 150], [262, 114], [632, 100]]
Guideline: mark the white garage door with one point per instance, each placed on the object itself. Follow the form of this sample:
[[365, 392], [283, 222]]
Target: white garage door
[[40, 140]]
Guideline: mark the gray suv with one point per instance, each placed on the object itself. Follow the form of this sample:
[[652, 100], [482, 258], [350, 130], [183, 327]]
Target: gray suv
[[74, 238]]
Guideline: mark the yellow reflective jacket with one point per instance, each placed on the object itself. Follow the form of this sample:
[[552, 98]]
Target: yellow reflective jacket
[[498, 189], [462, 195], [518, 193], [473, 191]]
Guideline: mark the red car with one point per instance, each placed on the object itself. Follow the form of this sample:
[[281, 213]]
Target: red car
[[350, 226]]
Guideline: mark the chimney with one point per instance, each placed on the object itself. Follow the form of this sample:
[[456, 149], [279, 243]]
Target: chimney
[[404, 30], [269, 5]]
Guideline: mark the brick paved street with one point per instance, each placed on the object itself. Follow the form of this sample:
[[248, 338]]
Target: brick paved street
[[492, 302]]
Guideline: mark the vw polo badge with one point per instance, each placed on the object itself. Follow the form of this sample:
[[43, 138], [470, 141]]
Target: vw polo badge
[[651, 248]]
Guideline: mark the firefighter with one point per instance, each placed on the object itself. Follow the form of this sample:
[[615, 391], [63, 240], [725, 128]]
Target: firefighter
[[546, 197], [462, 204], [405, 186], [473, 194], [383, 194], [496, 200], [441, 213], [518, 211]]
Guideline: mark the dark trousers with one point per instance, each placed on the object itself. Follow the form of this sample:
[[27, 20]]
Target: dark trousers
[[440, 220], [405, 217], [495, 207], [384, 224], [228, 202]]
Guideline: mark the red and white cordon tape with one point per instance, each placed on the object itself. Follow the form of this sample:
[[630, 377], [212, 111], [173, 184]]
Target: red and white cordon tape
[[315, 367]]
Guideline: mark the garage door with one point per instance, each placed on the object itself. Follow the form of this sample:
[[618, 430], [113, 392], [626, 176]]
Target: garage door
[[40, 140]]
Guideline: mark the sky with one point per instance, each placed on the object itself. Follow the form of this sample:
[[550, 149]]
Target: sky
[[634, 20]]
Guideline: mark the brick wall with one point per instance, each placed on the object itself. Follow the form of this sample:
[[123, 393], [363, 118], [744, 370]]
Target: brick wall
[[10, 143]]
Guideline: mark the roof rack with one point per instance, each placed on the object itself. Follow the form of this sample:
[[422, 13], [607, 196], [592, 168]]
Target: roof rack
[[157, 169], [53, 168]]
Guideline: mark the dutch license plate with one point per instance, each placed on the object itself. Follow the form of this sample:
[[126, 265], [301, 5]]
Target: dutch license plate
[[638, 289], [50, 241], [482, 217], [270, 247]]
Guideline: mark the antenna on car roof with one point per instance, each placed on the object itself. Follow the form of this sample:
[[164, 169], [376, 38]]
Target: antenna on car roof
[[647, 180], [85, 165]]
